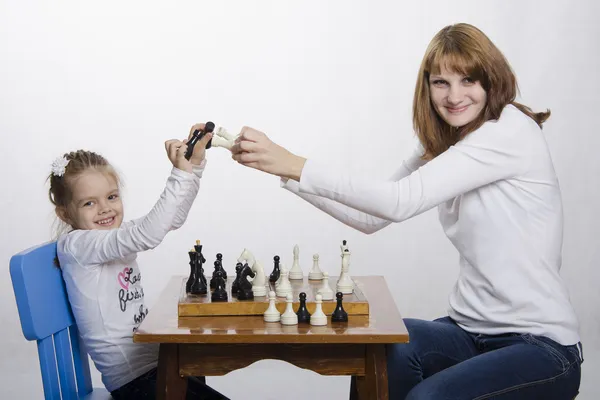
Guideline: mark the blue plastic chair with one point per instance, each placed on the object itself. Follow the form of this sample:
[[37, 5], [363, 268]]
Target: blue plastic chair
[[46, 317]]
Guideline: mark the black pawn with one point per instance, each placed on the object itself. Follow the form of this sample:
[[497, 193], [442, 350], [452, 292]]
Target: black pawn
[[219, 294], [302, 313], [213, 279], [193, 259], [236, 283], [276, 272], [339, 315], [220, 260]]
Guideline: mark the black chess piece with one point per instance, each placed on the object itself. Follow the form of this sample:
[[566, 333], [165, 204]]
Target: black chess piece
[[213, 279], [339, 314], [193, 257], [197, 136], [245, 286], [199, 284], [276, 272], [302, 313], [201, 260], [220, 260], [219, 294], [236, 282]]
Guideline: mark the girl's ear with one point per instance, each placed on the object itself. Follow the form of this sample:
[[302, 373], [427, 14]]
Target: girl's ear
[[61, 212]]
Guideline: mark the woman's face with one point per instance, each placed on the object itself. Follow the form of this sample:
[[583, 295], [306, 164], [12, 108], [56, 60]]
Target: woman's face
[[457, 98]]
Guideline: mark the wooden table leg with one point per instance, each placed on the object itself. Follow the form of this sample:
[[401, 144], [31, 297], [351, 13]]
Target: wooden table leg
[[169, 384], [374, 385]]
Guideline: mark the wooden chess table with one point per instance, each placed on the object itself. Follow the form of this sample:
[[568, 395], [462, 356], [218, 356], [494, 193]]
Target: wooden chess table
[[213, 345]]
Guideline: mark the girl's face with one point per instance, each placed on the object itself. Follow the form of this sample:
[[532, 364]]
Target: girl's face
[[457, 98], [96, 203]]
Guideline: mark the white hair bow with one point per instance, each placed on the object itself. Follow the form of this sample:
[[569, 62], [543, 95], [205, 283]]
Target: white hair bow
[[59, 166]]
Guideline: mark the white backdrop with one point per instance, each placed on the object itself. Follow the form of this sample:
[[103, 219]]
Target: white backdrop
[[328, 79]]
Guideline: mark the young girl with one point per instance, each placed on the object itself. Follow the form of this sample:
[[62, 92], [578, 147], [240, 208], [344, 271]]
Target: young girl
[[98, 261], [511, 332]]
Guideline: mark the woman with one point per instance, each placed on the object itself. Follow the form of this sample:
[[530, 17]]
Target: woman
[[511, 332]]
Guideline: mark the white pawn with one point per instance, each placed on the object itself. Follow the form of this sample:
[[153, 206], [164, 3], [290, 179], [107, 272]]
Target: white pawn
[[296, 271], [272, 314], [282, 269], [285, 287], [315, 273], [318, 318], [222, 138], [289, 317], [325, 290]]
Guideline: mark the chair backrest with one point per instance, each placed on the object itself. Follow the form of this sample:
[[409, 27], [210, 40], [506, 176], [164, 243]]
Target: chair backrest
[[46, 317]]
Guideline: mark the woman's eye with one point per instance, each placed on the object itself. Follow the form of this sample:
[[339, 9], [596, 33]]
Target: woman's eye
[[468, 80], [439, 82]]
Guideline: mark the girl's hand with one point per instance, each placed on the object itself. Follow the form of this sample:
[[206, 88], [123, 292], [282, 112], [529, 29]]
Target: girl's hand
[[176, 150], [255, 150]]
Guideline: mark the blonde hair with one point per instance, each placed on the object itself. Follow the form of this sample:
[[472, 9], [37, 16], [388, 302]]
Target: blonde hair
[[464, 49], [61, 193]]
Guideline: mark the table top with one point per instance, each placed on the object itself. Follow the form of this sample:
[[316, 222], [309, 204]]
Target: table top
[[383, 325]]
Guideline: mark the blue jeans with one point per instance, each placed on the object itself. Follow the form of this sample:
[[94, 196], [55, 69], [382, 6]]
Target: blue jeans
[[442, 362], [144, 387]]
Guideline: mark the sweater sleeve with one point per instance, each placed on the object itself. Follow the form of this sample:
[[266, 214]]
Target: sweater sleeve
[[498, 150], [189, 197], [90, 247], [359, 220]]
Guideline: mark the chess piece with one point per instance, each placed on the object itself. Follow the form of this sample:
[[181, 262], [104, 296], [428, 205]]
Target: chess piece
[[259, 282], [302, 313], [296, 271], [219, 294], [315, 272], [236, 282], [272, 314], [201, 260], [283, 268], [318, 318], [325, 290], [345, 283], [285, 287], [198, 286], [213, 279], [339, 314], [222, 138], [197, 136], [220, 260], [289, 317], [245, 286], [276, 272], [193, 256]]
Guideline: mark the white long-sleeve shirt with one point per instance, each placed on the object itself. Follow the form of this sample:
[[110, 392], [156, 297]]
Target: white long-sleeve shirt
[[499, 203], [103, 280]]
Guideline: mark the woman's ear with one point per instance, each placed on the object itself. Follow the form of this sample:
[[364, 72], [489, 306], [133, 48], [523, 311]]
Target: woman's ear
[[61, 212]]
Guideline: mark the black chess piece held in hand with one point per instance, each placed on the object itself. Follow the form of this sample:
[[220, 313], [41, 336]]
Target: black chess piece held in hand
[[276, 272], [302, 313], [339, 314], [197, 136], [219, 294]]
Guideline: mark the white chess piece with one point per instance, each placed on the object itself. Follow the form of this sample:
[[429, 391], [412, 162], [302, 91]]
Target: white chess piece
[[272, 314], [296, 271], [289, 317], [282, 269], [325, 290], [259, 282], [285, 287], [315, 273], [345, 284], [222, 138], [318, 318]]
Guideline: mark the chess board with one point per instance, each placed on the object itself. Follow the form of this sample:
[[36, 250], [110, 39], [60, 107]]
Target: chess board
[[195, 305]]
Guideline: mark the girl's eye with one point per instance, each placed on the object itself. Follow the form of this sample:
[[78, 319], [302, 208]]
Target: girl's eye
[[88, 204], [113, 197]]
